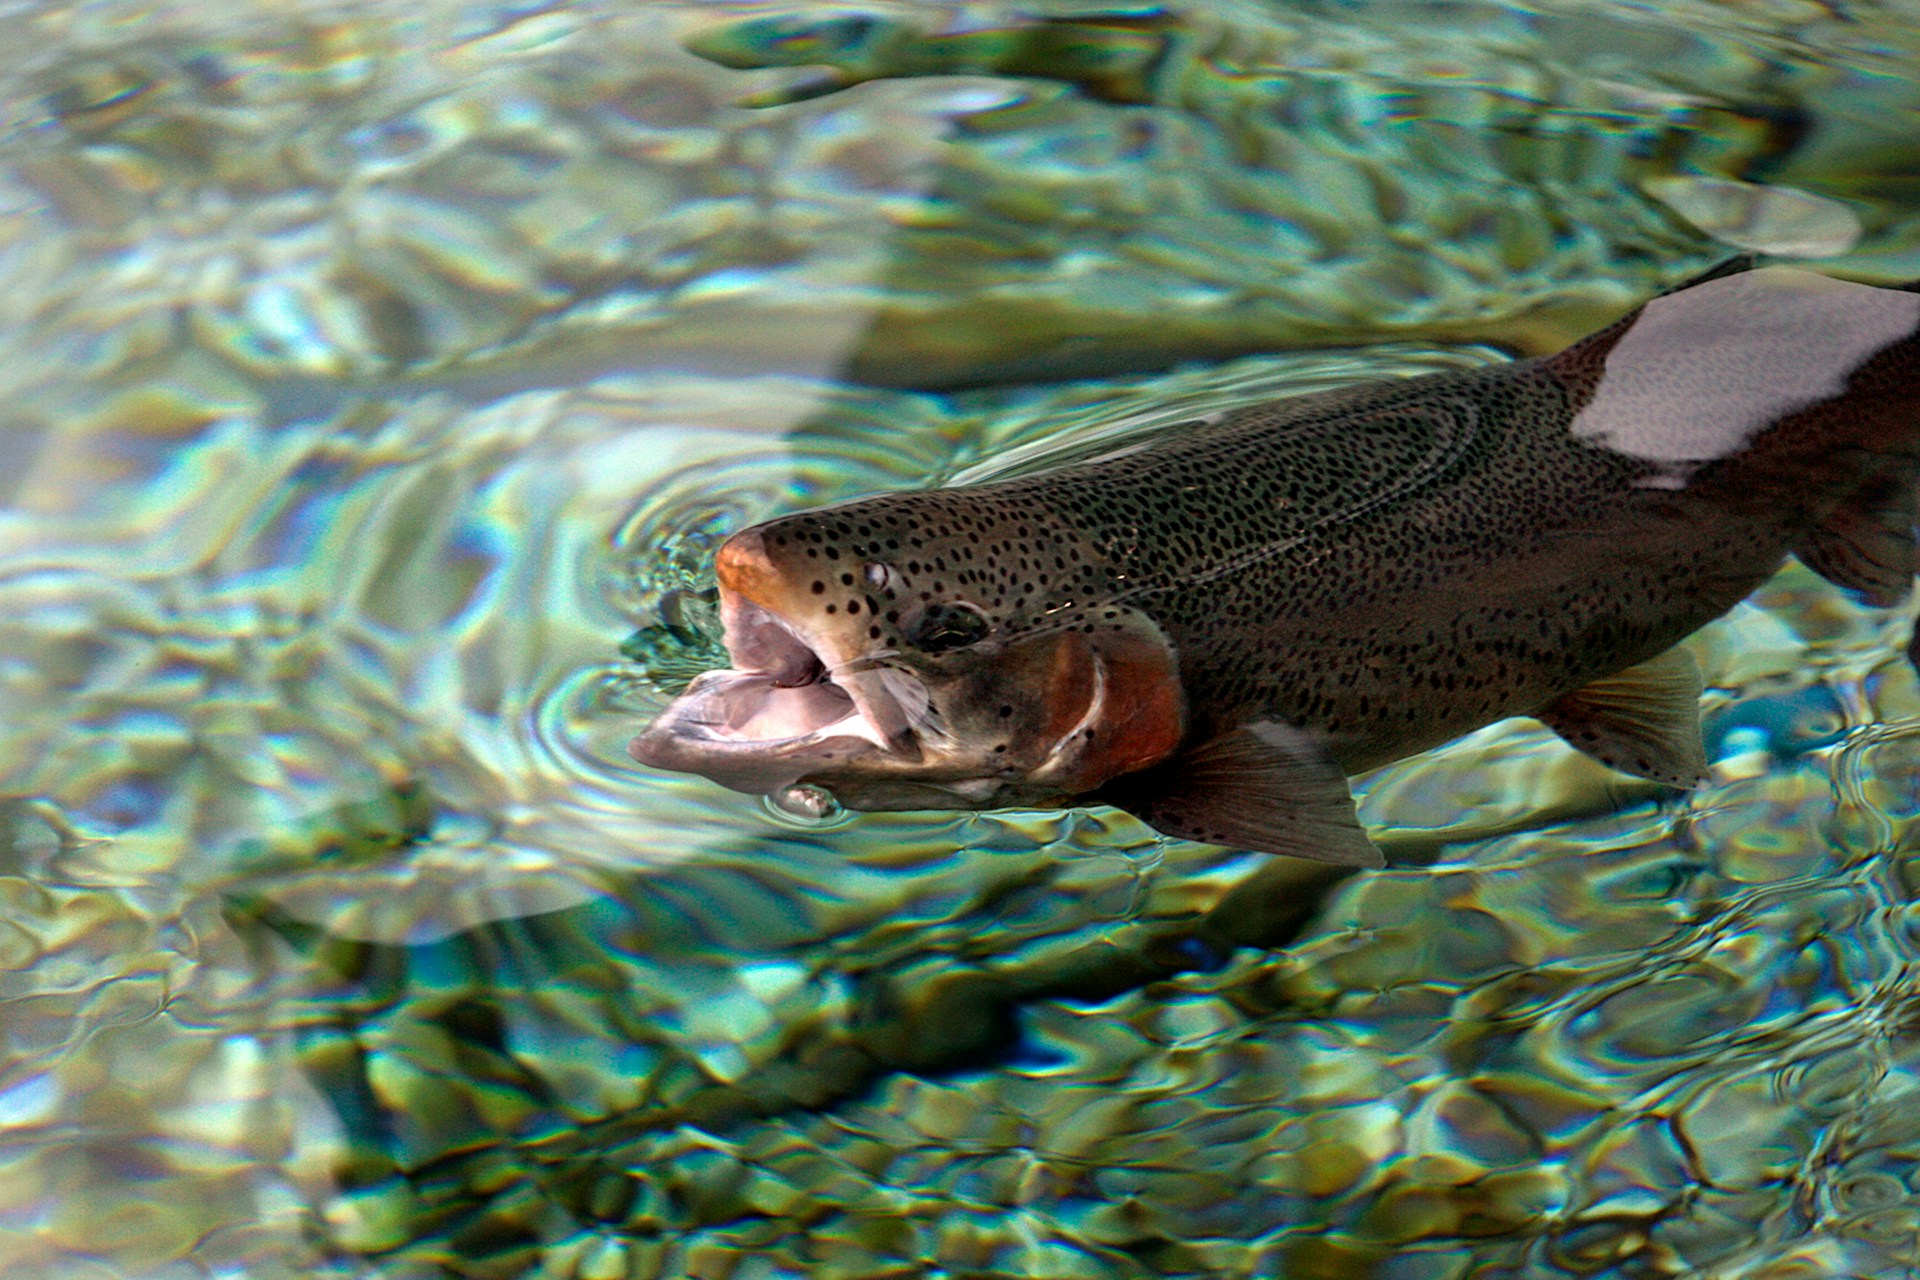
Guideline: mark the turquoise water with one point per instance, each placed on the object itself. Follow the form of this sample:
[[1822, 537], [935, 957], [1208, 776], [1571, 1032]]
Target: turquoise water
[[379, 380]]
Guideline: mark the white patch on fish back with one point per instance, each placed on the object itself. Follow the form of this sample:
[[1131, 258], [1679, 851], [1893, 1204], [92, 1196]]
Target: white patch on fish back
[[1702, 372]]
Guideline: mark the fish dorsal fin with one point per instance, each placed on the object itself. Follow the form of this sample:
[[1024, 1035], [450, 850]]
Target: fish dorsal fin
[[1867, 545], [1265, 786], [1644, 721]]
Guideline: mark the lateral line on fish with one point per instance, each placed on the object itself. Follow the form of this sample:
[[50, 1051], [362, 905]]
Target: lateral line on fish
[[1450, 452]]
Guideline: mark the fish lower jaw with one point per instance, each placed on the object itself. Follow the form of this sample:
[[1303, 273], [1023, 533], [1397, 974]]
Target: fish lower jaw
[[748, 731], [757, 709]]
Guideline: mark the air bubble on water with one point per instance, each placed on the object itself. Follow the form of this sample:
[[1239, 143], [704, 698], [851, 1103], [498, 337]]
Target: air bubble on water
[[805, 805]]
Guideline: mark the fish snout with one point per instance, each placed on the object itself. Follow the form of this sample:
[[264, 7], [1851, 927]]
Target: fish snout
[[745, 569]]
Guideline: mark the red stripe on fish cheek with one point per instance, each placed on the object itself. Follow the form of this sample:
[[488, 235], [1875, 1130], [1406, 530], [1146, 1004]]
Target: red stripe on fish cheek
[[1145, 711], [1069, 686], [1142, 708]]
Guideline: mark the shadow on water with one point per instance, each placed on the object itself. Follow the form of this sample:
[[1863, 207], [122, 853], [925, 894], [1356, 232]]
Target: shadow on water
[[476, 1147]]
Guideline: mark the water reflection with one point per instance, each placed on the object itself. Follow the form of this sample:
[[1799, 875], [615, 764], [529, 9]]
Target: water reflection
[[368, 380]]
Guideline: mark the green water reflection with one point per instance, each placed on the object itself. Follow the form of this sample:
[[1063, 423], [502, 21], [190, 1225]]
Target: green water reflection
[[377, 383]]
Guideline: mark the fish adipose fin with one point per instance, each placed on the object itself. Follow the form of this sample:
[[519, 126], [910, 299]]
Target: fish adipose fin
[[1867, 545], [1263, 786], [1644, 721]]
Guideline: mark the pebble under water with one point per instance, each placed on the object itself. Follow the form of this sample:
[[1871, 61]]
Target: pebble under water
[[380, 380]]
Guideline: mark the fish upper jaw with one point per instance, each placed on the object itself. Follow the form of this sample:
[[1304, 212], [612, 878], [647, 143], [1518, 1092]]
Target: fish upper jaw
[[770, 625], [746, 571]]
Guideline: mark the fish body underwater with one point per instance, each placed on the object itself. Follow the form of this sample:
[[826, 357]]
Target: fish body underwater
[[1212, 628]]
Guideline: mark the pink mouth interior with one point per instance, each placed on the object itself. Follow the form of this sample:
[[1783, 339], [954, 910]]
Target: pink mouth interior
[[751, 706], [779, 688]]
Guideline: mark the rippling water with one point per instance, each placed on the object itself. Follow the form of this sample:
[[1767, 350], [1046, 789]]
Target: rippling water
[[378, 381]]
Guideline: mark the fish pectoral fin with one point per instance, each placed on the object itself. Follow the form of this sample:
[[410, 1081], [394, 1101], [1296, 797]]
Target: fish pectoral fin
[[1644, 721], [1867, 545], [1267, 787]]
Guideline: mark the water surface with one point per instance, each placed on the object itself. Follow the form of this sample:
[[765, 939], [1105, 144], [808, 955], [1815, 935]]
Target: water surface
[[378, 381]]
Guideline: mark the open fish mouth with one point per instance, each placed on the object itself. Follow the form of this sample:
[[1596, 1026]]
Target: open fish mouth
[[783, 710]]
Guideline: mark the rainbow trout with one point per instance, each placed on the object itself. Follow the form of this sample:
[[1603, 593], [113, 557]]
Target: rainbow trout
[[1213, 628]]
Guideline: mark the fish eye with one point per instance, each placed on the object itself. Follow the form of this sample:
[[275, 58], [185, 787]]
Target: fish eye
[[941, 628]]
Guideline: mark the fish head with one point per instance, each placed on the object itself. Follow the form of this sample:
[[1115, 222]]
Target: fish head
[[886, 651]]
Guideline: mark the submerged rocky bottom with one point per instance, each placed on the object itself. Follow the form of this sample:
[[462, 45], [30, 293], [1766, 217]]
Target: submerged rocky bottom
[[1655, 1036], [1705, 1073]]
